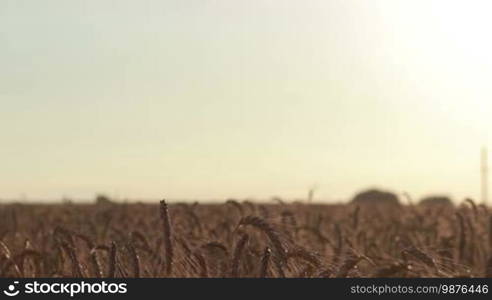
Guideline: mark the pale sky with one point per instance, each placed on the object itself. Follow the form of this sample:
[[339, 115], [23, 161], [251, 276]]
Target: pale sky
[[215, 99]]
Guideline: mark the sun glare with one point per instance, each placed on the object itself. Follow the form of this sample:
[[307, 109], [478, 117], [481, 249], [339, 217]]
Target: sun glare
[[464, 29]]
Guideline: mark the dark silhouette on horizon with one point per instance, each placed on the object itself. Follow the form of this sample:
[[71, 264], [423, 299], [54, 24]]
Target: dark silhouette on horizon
[[436, 200], [376, 197]]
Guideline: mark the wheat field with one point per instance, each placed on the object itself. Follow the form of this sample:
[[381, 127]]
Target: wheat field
[[244, 239]]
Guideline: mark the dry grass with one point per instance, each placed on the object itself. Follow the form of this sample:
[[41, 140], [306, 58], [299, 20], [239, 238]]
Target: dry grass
[[242, 239]]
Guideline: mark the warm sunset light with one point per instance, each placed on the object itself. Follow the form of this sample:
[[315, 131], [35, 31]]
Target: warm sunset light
[[250, 99], [225, 139]]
